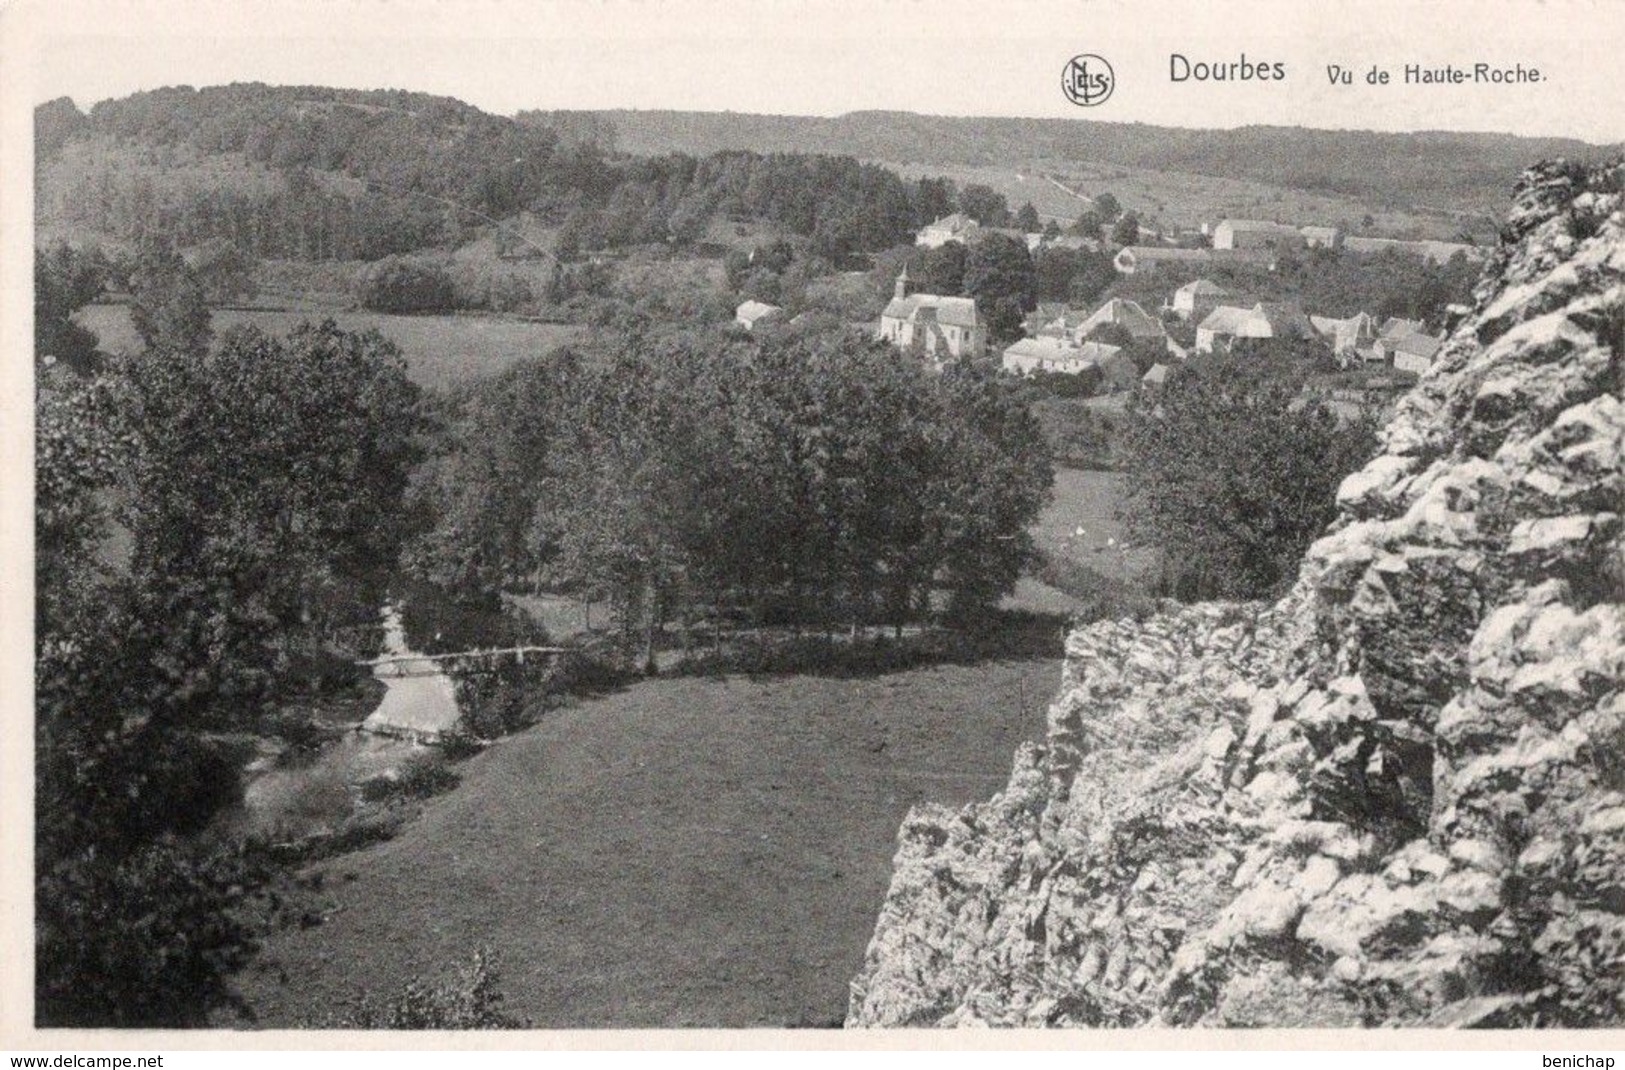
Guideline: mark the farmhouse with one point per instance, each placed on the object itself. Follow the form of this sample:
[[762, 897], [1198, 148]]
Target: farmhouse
[[1255, 234], [1043, 355], [1126, 314], [1135, 258], [1282, 320], [1220, 326], [1194, 300], [752, 313], [957, 227], [1354, 335], [1414, 353], [1029, 355], [940, 327], [1264, 320]]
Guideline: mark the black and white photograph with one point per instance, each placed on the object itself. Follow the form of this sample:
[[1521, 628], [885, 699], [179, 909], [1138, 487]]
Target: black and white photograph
[[672, 515]]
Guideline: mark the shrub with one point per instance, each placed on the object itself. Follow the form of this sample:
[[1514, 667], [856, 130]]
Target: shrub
[[420, 776], [405, 284], [469, 999]]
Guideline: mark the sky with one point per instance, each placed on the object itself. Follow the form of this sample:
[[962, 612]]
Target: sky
[[826, 57]]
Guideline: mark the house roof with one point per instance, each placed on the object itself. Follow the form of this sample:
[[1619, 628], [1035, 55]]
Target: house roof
[[1418, 345], [1043, 349], [1282, 317], [955, 221], [1319, 232], [1393, 327], [1226, 319], [1165, 252], [1126, 314], [953, 311], [1203, 288], [1101, 353], [1157, 374]]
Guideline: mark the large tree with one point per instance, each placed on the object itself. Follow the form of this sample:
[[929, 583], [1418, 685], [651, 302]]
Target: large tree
[[1233, 471], [999, 274], [265, 488]]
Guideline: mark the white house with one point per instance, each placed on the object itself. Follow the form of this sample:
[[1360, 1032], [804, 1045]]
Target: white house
[[1194, 300], [1220, 326], [1267, 319], [957, 227], [1415, 352], [1058, 355], [1354, 335], [1031, 355], [944, 328], [1255, 234], [751, 313]]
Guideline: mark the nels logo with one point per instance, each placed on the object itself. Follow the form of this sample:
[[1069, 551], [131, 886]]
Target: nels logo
[[1088, 80]]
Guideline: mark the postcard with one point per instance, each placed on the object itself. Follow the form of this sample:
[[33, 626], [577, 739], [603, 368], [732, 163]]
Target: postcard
[[686, 524]]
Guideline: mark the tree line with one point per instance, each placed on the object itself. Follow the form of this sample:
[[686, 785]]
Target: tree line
[[349, 174], [813, 480]]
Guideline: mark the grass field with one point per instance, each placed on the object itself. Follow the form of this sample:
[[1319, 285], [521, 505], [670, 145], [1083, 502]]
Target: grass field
[[1081, 523], [686, 852], [1177, 199], [439, 350]]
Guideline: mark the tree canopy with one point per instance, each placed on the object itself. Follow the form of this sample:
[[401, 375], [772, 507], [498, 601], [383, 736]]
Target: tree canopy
[[1234, 471]]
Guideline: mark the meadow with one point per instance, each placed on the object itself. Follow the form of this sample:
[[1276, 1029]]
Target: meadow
[[684, 852]]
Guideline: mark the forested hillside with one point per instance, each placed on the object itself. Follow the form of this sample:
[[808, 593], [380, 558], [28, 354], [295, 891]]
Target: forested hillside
[[319, 173], [1431, 167]]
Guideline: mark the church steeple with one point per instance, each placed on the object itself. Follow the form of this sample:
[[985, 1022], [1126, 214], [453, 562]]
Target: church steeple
[[901, 289]]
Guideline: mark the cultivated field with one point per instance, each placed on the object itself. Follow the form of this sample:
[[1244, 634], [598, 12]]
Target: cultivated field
[[1177, 199], [439, 350], [686, 852]]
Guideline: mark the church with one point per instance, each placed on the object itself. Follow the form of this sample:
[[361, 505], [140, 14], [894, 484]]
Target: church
[[944, 328]]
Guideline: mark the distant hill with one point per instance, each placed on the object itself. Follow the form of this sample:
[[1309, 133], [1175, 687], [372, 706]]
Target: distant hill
[[1472, 172]]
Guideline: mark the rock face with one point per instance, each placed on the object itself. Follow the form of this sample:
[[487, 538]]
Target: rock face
[[1397, 796]]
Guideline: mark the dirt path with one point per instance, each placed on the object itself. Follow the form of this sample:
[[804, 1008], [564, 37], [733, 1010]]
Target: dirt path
[[682, 853]]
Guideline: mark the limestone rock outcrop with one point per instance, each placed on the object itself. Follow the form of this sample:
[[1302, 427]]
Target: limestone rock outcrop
[[1395, 797]]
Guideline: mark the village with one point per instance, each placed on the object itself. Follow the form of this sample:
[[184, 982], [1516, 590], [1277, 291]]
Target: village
[[1120, 345]]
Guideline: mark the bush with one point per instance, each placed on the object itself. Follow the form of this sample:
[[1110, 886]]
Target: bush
[[420, 776], [469, 999], [147, 941], [405, 284]]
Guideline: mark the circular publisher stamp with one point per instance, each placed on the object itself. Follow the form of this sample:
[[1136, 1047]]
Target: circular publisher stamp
[[1088, 80]]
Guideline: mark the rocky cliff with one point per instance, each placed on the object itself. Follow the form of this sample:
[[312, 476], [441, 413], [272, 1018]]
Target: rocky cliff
[[1395, 797]]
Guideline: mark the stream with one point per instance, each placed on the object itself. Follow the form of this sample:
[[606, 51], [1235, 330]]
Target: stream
[[290, 800]]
